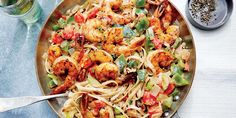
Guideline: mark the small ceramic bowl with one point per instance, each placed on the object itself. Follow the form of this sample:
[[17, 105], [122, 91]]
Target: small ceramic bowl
[[220, 16]]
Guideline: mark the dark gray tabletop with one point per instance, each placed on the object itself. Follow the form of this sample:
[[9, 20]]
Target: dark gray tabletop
[[17, 59]]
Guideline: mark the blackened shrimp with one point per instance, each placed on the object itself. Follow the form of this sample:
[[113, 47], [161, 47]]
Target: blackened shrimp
[[106, 71], [67, 71], [114, 38]]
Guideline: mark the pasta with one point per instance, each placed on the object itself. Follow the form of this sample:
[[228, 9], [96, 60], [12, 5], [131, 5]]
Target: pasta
[[117, 59]]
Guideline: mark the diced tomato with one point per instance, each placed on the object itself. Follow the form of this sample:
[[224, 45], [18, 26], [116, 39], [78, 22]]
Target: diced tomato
[[93, 13], [169, 89], [148, 98], [157, 43], [57, 39], [79, 18]]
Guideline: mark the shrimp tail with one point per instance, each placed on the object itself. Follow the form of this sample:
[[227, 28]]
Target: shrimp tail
[[62, 88]]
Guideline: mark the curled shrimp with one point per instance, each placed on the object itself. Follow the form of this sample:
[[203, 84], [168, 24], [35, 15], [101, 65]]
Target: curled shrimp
[[167, 18], [116, 18], [171, 34], [114, 37], [156, 23], [164, 12], [54, 52], [160, 60], [106, 71], [65, 69], [91, 32], [135, 45]]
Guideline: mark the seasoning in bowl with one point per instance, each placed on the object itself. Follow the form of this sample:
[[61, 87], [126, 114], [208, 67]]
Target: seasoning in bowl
[[203, 10], [209, 14]]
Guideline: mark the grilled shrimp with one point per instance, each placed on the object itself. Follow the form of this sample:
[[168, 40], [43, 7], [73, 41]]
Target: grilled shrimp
[[99, 56], [78, 55], [160, 59], [114, 37], [116, 18], [67, 70], [172, 31], [69, 81], [106, 71], [167, 18], [135, 44], [156, 23], [65, 67], [164, 12], [54, 52], [91, 32]]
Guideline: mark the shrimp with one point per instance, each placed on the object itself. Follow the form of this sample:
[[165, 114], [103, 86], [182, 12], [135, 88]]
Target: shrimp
[[67, 70], [78, 55], [85, 63], [156, 23], [167, 18], [160, 60], [114, 37], [91, 32], [54, 52], [106, 71], [135, 44], [172, 33], [100, 56], [164, 12], [116, 18]]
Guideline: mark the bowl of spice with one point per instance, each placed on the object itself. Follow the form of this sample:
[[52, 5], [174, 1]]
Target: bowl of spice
[[209, 14]]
